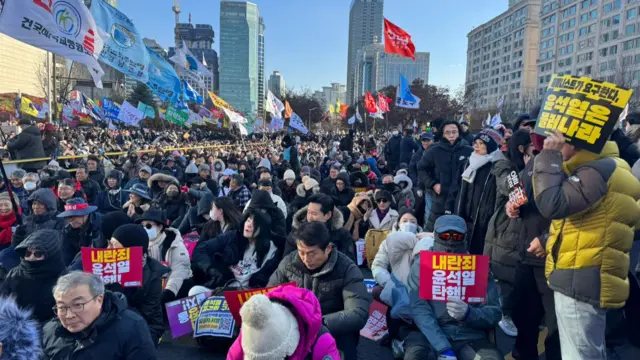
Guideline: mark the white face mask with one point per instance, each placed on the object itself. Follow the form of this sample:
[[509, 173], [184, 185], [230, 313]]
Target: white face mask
[[212, 215], [409, 227], [30, 186], [153, 232]]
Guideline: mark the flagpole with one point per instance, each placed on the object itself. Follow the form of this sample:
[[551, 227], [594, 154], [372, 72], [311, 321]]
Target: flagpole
[[49, 88]]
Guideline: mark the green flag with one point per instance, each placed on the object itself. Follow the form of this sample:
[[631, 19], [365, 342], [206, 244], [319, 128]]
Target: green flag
[[176, 116], [148, 111]]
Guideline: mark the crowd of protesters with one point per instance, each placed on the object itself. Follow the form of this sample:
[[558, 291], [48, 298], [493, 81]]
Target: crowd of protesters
[[229, 213]]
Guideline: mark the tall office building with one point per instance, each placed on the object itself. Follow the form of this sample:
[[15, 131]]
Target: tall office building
[[261, 91], [501, 56], [239, 63], [595, 38], [377, 69], [365, 25], [331, 94], [199, 39], [23, 67], [277, 85]]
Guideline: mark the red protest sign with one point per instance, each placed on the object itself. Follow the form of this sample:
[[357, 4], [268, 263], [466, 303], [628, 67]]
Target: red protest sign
[[462, 276], [376, 326], [235, 299], [122, 266]]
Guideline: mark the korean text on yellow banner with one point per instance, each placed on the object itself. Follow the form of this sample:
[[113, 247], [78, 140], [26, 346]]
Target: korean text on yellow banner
[[584, 110]]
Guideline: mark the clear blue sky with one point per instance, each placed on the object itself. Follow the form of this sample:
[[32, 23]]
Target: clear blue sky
[[306, 40]]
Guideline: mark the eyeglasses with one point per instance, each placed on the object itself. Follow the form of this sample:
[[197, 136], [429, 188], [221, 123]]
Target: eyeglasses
[[75, 308], [35, 253], [451, 235]]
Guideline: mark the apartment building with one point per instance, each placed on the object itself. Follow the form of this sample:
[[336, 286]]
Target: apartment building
[[502, 54]]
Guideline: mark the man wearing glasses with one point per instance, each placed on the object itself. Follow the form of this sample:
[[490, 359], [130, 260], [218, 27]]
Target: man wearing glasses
[[93, 323]]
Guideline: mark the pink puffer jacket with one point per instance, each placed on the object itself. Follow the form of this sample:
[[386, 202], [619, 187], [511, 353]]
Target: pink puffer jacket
[[306, 308]]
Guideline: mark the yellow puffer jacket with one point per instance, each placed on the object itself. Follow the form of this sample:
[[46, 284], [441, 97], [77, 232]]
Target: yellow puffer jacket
[[588, 245]]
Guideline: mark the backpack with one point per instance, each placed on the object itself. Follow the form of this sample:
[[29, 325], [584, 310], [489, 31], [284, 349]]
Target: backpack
[[372, 241]]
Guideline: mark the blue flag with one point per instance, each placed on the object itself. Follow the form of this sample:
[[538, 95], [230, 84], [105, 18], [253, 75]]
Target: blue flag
[[163, 79], [405, 91], [111, 109], [123, 47], [189, 94]]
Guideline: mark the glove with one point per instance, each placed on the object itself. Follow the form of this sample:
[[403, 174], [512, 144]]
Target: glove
[[420, 193], [457, 309], [447, 355]]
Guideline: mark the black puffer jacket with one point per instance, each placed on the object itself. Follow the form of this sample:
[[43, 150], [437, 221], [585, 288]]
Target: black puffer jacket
[[288, 192], [261, 199], [443, 164], [338, 285], [90, 235], [392, 151], [628, 148], [91, 189], [117, 334], [340, 237], [146, 301], [28, 145], [407, 147], [193, 220], [344, 197], [174, 209], [153, 181]]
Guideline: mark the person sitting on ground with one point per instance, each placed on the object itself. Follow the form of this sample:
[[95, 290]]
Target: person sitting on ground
[[335, 280], [342, 193], [89, 186], [68, 188], [143, 177], [88, 314], [166, 246], [286, 323], [159, 182], [82, 228], [383, 217], [31, 184], [238, 191], [112, 197], [139, 201], [288, 186], [452, 329], [7, 220], [173, 204]]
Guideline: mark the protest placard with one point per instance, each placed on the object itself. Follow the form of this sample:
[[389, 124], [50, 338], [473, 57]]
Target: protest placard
[[215, 319], [183, 313], [122, 266], [235, 299], [376, 326], [461, 276], [517, 194], [584, 110], [370, 284]]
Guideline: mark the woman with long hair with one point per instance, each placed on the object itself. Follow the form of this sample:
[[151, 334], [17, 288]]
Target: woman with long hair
[[224, 216]]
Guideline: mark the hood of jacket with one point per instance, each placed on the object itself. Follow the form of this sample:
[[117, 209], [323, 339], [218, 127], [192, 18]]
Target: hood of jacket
[[345, 178], [18, 332], [357, 200], [400, 246], [337, 219], [113, 174], [218, 161], [45, 196], [265, 163], [152, 183], [204, 204], [402, 177]]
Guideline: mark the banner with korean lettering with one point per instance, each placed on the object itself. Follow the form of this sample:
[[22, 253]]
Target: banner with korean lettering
[[215, 319], [129, 114], [123, 266], [64, 27], [163, 79], [176, 116], [584, 110], [517, 194], [110, 108], [460, 276], [123, 47], [376, 327], [235, 299], [183, 314]]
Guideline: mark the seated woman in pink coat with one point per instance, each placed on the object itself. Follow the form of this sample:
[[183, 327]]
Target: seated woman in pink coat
[[284, 324]]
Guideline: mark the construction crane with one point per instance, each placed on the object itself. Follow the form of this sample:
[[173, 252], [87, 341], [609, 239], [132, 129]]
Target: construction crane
[[176, 10]]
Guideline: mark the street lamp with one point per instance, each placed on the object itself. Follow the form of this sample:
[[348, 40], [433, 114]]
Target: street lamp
[[310, 110]]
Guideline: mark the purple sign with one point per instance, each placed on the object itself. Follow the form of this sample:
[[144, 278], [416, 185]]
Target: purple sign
[[183, 313]]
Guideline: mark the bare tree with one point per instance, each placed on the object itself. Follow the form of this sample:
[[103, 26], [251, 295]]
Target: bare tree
[[61, 86]]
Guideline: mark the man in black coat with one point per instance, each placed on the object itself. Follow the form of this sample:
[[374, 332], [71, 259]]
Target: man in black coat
[[392, 151], [334, 279], [28, 145], [426, 140], [94, 324], [89, 186], [440, 170], [407, 147], [82, 229]]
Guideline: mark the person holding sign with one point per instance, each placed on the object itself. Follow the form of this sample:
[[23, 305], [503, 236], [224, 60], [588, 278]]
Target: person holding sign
[[591, 198], [455, 329], [286, 323]]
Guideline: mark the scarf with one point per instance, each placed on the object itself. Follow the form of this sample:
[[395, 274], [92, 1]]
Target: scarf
[[6, 222], [155, 247], [476, 162]]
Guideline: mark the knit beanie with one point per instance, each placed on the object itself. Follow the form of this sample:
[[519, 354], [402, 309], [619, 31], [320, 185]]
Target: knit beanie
[[131, 235], [491, 138], [5, 196], [113, 220], [289, 174], [269, 330]]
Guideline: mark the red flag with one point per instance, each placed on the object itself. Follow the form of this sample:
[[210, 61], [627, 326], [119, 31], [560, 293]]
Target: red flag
[[383, 103], [398, 41], [370, 103]]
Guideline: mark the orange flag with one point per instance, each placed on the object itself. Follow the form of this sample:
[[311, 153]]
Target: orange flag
[[287, 110], [343, 110]]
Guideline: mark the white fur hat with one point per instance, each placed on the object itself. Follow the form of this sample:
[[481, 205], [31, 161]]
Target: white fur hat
[[269, 330]]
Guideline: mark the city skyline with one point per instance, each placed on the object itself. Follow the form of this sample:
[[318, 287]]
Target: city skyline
[[311, 58]]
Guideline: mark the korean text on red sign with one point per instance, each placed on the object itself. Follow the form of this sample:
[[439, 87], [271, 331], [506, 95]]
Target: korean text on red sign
[[584, 110], [122, 266], [460, 276]]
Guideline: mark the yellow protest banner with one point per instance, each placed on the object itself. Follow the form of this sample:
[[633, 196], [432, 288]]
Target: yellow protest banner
[[27, 107], [583, 109], [218, 102]]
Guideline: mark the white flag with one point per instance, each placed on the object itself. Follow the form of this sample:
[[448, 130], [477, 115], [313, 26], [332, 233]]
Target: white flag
[[461, 119], [624, 113], [64, 27], [495, 121], [234, 117], [243, 130], [130, 114], [274, 106], [295, 122], [358, 116], [488, 121]]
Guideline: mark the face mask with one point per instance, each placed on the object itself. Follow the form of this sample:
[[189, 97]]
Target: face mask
[[212, 215], [172, 193], [151, 232], [218, 167], [364, 169], [450, 246], [29, 186], [409, 227]]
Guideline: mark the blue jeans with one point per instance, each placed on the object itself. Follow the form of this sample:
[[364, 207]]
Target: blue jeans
[[581, 327]]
